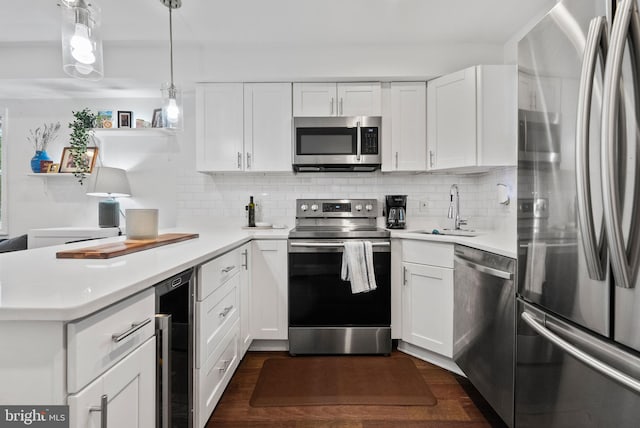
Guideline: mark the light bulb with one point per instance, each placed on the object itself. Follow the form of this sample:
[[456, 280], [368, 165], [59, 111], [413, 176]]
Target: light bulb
[[173, 112], [81, 46]]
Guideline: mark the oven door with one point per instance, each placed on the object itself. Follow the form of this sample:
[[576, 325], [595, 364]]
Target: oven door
[[325, 317]]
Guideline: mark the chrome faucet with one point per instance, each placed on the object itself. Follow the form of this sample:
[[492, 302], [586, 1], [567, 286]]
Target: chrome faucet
[[454, 207]]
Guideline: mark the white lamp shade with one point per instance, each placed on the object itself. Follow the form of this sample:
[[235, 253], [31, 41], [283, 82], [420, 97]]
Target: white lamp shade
[[108, 182]]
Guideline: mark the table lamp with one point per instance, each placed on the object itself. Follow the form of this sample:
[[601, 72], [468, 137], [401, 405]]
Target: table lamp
[[110, 183]]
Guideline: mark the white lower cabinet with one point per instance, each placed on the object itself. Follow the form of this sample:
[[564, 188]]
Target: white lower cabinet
[[130, 391], [269, 316], [214, 375], [246, 336], [427, 296], [427, 306]]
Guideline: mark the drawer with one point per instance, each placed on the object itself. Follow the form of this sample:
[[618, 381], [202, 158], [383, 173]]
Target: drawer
[[213, 274], [428, 253], [213, 378], [215, 316], [93, 345]]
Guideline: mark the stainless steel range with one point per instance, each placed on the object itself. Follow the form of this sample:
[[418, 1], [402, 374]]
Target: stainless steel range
[[325, 317]]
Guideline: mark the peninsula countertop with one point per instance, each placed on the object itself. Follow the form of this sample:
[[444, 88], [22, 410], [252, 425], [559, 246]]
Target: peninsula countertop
[[36, 286]]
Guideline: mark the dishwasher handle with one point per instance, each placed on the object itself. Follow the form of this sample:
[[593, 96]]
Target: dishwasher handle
[[484, 269]]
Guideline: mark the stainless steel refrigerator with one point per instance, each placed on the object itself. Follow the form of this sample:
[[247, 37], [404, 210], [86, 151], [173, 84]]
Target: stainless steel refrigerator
[[578, 297]]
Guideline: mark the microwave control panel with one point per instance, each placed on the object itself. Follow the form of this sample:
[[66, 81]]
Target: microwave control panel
[[369, 140]]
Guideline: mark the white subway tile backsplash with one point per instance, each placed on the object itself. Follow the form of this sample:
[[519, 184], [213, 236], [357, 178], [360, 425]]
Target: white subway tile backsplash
[[226, 194]]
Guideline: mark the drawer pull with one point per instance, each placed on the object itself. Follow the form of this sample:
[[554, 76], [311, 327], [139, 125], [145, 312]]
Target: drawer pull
[[226, 311], [225, 365], [104, 402], [119, 337], [228, 269]]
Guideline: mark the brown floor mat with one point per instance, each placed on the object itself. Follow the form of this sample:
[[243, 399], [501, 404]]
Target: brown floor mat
[[336, 380]]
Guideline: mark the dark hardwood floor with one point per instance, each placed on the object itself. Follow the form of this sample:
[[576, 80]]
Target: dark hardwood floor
[[459, 404]]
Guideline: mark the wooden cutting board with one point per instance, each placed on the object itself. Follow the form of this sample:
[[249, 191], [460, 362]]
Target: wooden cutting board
[[115, 249]]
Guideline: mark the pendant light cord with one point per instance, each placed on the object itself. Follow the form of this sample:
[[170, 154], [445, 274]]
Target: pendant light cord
[[171, 43]]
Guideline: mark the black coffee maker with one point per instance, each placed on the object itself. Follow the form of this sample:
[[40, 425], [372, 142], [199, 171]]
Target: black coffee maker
[[396, 211]]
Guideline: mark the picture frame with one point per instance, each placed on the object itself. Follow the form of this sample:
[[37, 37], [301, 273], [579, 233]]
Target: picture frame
[[67, 163], [54, 167], [104, 119], [157, 120], [124, 119]]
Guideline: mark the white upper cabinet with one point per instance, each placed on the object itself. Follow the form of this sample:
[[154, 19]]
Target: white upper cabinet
[[405, 127], [243, 127], [337, 99], [472, 119], [267, 126], [220, 127]]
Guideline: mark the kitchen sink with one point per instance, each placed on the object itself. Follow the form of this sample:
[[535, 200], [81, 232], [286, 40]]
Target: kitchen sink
[[451, 232]]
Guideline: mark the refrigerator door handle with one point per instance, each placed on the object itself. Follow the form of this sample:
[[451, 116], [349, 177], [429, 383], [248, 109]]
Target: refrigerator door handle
[[626, 26], [595, 252], [580, 355]]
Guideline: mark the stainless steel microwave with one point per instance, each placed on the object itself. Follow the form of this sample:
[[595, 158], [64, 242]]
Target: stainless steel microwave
[[538, 137], [337, 143]]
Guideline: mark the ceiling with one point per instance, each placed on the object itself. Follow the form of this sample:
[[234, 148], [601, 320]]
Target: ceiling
[[284, 22], [252, 24]]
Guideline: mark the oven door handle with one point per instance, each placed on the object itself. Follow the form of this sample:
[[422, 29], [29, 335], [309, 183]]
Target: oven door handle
[[333, 244]]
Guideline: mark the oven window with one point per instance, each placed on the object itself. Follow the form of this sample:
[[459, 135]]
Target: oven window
[[326, 141], [319, 298]]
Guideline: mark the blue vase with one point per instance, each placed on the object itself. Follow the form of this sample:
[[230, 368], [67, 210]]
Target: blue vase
[[35, 160]]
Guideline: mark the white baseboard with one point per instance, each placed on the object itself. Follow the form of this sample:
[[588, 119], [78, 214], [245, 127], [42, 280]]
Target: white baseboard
[[431, 357]]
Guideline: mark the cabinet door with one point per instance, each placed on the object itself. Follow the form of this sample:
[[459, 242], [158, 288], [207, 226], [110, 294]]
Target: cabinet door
[[409, 126], [130, 387], [359, 99], [314, 99], [267, 126], [427, 304], [269, 290], [451, 114], [245, 299], [219, 127]]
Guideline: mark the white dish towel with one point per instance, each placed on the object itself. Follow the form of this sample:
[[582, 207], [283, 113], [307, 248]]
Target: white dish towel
[[357, 266]]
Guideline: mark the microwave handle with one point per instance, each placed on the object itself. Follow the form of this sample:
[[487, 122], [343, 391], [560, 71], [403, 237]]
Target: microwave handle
[[358, 141]]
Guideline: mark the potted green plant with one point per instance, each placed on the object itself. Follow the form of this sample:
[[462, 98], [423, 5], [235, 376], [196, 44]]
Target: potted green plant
[[81, 134], [40, 138]]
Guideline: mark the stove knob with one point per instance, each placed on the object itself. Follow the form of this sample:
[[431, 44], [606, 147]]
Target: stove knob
[[358, 207], [368, 207], [304, 207], [314, 207]]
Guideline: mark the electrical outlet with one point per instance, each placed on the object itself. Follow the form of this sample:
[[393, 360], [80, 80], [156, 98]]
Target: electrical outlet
[[424, 205]]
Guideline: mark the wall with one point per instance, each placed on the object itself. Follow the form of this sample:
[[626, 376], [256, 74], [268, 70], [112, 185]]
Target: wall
[[37, 201]]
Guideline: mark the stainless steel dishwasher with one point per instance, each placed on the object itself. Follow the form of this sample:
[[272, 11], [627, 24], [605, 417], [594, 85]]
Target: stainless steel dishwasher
[[484, 325]]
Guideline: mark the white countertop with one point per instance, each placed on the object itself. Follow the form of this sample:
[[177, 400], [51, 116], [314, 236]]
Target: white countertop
[[34, 285], [493, 242]]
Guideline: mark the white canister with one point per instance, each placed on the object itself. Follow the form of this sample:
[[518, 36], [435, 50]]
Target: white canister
[[142, 223]]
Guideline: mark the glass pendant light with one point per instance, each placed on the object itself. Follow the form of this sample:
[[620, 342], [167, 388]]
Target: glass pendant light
[[171, 110], [81, 41]]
